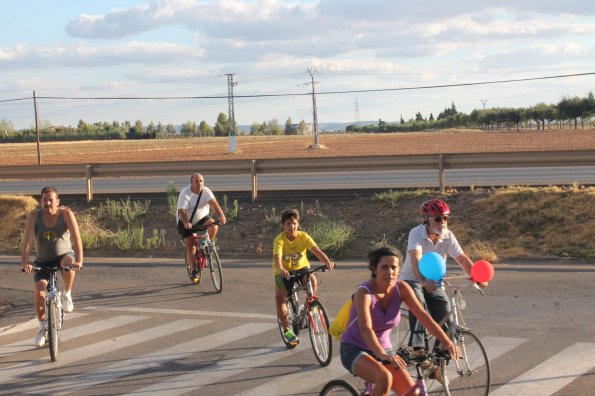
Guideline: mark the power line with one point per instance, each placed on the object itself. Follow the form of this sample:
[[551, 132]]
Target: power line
[[309, 93]]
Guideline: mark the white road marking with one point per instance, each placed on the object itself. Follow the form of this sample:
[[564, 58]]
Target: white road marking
[[152, 360], [554, 373], [74, 332], [225, 369], [32, 324], [188, 312], [22, 370]]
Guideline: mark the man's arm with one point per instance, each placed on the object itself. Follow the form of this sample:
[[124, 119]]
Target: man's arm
[[183, 215], [28, 241], [217, 209], [73, 227], [466, 263]]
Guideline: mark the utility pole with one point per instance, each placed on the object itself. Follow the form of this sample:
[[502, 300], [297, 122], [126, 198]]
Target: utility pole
[[232, 143], [36, 128], [483, 102], [316, 144]]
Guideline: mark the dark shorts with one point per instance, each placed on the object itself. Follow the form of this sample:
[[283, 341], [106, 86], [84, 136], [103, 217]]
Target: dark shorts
[[287, 284], [350, 354], [184, 232], [45, 274]]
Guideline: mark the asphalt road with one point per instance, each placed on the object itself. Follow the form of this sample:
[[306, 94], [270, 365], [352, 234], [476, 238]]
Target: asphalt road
[[139, 327], [316, 181]]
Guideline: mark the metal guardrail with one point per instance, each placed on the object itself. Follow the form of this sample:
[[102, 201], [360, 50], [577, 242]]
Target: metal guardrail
[[440, 162]]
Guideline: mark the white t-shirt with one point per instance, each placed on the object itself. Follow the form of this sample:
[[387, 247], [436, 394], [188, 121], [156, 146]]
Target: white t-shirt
[[447, 244], [187, 200]]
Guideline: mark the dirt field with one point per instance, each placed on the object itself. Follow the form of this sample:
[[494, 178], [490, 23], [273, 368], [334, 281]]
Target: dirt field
[[249, 147]]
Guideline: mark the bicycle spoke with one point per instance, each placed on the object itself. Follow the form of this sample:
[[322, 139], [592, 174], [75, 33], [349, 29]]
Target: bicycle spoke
[[319, 335], [53, 312]]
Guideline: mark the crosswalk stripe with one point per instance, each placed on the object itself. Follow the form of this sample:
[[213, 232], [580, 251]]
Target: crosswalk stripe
[[192, 312], [151, 360], [317, 377], [221, 370], [498, 346], [21, 370], [75, 332], [32, 324], [554, 373]]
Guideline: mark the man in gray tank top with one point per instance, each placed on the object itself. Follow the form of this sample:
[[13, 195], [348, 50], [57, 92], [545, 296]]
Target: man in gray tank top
[[55, 234]]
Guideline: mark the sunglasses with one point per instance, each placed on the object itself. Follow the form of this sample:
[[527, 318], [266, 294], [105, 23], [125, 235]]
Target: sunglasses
[[439, 219]]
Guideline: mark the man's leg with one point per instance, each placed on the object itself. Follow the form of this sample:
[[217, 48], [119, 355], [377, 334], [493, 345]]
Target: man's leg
[[438, 306], [39, 302], [417, 330], [190, 247]]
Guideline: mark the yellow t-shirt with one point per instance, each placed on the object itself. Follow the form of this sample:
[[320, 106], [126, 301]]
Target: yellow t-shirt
[[293, 253]]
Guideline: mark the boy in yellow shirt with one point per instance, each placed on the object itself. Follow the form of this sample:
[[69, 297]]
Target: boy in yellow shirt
[[289, 255]]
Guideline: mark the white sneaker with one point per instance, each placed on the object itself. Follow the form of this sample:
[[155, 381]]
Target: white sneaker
[[40, 337], [67, 304]]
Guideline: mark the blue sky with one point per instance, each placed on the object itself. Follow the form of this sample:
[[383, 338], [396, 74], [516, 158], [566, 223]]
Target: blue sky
[[180, 48]]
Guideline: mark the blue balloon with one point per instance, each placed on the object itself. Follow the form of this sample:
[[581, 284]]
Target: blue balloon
[[432, 266]]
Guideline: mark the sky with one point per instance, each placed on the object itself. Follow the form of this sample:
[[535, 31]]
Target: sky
[[370, 59]]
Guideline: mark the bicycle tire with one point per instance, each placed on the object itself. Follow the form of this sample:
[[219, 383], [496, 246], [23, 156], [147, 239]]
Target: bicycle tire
[[214, 264], [322, 344], [188, 268], [291, 318], [401, 334], [338, 387], [53, 312], [471, 374]]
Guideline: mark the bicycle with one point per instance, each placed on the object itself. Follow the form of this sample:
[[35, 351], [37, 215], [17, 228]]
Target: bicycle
[[54, 315], [311, 315], [363, 388], [206, 256], [469, 375]]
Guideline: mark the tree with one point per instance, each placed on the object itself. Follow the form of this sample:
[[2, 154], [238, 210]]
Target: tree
[[257, 128], [170, 130], [571, 108], [189, 129], [431, 117], [204, 129], [303, 128], [419, 117], [288, 129], [221, 126], [6, 127]]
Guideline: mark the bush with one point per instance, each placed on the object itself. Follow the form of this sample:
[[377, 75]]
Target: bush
[[332, 237]]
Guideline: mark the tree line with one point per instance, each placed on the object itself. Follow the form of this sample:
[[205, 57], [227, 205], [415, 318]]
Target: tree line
[[570, 112]]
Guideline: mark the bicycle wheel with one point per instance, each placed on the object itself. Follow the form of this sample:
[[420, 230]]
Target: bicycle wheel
[[292, 319], [469, 375], [188, 268], [319, 335], [53, 319], [214, 265], [338, 387], [400, 334]]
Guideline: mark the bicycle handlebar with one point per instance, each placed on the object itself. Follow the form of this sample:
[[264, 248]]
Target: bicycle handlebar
[[203, 227], [303, 271], [473, 283], [54, 268]]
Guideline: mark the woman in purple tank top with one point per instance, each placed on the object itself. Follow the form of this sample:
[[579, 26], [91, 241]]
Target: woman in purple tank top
[[375, 311]]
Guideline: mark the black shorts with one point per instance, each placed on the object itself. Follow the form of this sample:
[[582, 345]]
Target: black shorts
[[45, 274], [184, 232]]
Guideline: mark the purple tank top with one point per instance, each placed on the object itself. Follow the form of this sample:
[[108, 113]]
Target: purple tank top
[[382, 322]]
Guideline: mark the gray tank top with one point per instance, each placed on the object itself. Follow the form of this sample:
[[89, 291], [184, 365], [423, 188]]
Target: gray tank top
[[51, 242]]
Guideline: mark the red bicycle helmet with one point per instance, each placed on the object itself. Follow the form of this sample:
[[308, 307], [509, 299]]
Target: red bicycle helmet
[[434, 207]]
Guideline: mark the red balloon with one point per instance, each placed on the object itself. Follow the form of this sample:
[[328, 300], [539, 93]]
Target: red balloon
[[482, 271]]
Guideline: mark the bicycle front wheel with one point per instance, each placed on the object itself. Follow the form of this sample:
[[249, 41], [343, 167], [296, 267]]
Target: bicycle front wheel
[[214, 265], [53, 320], [338, 387], [469, 375], [319, 334]]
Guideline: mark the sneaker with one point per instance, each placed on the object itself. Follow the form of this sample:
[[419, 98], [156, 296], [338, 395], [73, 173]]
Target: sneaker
[[290, 337], [41, 337], [67, 304], [195, 277]]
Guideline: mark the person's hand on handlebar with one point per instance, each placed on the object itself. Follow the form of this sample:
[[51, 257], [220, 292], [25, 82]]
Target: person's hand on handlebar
[[27, 267], [454, 350], [395, 360], [74, 266], [284, 273], [330, 265]]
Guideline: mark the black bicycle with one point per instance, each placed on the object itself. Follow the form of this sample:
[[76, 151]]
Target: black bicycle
[[311, 314], [54, 315], [206, 257]]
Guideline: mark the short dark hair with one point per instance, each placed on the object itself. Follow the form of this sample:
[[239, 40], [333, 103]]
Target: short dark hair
[[47, 190], [290, 214], [375, 255]]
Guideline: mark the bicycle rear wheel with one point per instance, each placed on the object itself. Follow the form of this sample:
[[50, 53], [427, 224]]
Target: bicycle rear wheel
[[338, 387], [214, 265], [53, 320], [400, 334], [319, 335], [468, 376]]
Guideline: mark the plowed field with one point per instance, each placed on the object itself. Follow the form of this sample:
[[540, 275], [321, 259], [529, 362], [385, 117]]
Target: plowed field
[[259, 147]]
